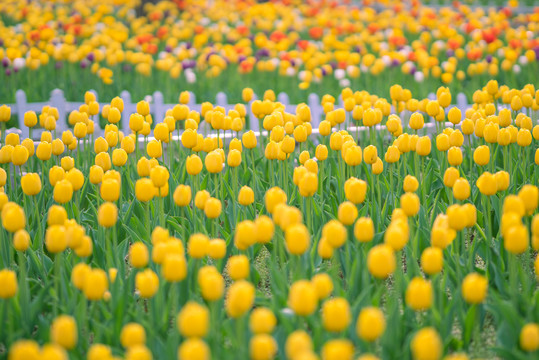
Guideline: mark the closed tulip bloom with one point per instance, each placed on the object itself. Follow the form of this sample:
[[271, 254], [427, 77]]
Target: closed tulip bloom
[[377, 167], [136, 122], [370, 154], [262, 347], [189, 138], [212, 208], [262, 321], [454, 115], [454, 156], [132, 334], [481, 155], [325, 250], [249, 140], [323, 285], [6, 154], [474, 288], [8, 284], [31, 184], [107, 214], [417, 121], [193, 164], [432, 260], [197, 246], [336, 314], [397, 234], [450, 176], [56, 239], [240, 299], [517, 239], [44, 151], [335, 232], [13, 218], [490, 133], [193, 320], [426, 345], [353, 156], [502, 180], [524, 137], [461, 189], [57, 215], [442, 142], [29, 145], [338, 349], [371, 324], [200, 199], [64, 332], [76, 178], [298, 343], [529, 337], [238, 267], [410, 203], [212, 285], [321, 152], [21, 240], [214, 162], [423, 146], [159, 176], [103, 160], [471, 214], [182, 195], [392, 154], [297, 239], [273, 197], [308, 185], [364, 229], [381, 261], [529, 194], [194, 348], [63, 191], [487, 184], [147, 283], [347, 213], [96, 174], [110, 190], [95, 285], [457, 217], [513, 203], [302, 298], [138, 255], [355, 190], [154, 149], [419, 294], [19, 155], [410, 184], [246, 196], [67, 163], [234, 158], [144, 190], [174, 267]]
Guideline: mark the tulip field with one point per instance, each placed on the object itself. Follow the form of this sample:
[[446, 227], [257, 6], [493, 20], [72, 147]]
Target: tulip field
[[396, 225]]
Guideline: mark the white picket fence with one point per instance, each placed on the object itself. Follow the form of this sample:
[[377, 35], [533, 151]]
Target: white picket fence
[[158, 109]]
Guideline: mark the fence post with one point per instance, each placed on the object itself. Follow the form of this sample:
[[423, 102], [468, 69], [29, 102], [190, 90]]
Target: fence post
[[158, 106], [20, 106], [253, 121], [128, 110], [316, 109], [462, 104], [58, 101]]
